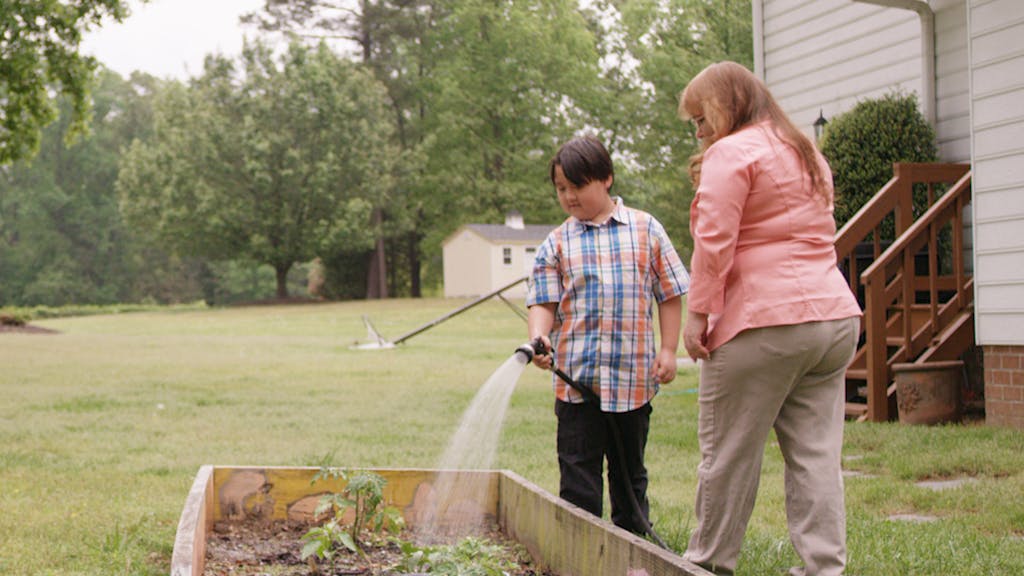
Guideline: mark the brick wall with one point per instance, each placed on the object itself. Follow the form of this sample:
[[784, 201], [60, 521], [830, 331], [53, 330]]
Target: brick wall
[[1004, 386]]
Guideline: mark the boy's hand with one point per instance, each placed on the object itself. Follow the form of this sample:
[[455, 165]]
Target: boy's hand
[[543, 360], [665, 365]]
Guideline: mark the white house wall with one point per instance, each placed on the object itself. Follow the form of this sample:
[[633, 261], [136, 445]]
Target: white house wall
[[827, 55], [952, 82], [996, 52]]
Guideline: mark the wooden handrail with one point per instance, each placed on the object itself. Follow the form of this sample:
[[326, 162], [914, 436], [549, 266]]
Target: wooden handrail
[[895, 197], [911, 238], [890, 286], [867, 218]]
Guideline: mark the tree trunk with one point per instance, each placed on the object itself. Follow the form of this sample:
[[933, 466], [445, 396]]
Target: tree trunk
[[207, 283], [377, 283], [413, 256], [281, 272]]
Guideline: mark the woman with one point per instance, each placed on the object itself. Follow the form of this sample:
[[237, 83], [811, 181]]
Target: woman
[[772, 319]]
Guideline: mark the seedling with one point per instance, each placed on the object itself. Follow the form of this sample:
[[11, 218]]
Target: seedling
[[469, 557], [364, 497]]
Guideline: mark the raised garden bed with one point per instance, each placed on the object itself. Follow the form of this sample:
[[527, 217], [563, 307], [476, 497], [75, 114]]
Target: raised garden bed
[[560, 538]]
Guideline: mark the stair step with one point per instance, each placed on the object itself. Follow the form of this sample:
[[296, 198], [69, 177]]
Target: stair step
[[856, 409]]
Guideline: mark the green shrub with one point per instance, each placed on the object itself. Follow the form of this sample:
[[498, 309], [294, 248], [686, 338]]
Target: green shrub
[[862, 144]]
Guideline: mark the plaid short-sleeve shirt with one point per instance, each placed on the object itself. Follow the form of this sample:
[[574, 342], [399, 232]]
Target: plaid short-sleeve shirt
[[605, 280]]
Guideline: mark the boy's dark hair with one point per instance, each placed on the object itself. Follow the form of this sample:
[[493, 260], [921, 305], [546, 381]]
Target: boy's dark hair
[[583, 160]]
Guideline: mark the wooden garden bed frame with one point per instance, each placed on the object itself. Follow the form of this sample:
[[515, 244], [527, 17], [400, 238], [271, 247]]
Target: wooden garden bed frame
[[559, 536]]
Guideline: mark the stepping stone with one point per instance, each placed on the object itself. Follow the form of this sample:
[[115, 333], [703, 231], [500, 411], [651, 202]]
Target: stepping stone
[[857, 474], [911, 518], [939, 485]]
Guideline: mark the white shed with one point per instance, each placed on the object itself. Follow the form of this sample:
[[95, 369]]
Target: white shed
[[965, 61], [482, 258]]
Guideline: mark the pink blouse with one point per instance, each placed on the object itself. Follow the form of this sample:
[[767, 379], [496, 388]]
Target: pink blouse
[[764, 252]]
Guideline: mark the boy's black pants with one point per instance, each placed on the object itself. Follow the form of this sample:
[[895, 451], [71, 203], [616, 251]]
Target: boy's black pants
[[584, 440]]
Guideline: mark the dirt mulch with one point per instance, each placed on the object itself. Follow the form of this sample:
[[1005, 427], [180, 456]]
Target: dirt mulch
[[274, 548], [25, 329]]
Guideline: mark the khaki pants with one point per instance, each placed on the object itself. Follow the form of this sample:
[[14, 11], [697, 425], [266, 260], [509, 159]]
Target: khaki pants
[[792, 379]]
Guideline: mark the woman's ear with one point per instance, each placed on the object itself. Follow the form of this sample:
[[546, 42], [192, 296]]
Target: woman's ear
[[608, 183]]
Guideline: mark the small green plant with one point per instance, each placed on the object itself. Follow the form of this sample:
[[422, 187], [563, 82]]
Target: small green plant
[[364, 497], [469, 557]]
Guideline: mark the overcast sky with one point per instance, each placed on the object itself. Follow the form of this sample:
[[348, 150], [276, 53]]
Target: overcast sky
[[170, 38]]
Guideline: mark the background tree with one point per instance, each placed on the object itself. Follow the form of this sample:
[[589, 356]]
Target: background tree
[[62, 239], [39, 42], [508, 87], [470, 100], [650, 50], [391, 38], [481, 92], [272, 164]]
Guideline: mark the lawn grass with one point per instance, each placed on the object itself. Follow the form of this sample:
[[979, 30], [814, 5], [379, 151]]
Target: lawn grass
[[103, 427]]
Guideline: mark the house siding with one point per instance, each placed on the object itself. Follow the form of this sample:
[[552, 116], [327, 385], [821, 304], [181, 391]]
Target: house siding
[[996, 53], [952, 83], [827, 55]]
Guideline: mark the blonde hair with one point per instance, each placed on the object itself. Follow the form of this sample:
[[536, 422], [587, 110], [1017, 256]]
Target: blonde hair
[[730, 97]]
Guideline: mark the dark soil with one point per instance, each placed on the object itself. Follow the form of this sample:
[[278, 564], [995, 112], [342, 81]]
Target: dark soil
[[25, 329], [274, 548]]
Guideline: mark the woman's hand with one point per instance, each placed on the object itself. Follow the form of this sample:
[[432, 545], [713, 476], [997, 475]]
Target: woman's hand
[[695, 336]]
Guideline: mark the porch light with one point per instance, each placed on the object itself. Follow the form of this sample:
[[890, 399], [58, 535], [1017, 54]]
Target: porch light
[[819, 125]]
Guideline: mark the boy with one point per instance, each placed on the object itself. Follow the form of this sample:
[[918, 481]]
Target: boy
[[592, 287]]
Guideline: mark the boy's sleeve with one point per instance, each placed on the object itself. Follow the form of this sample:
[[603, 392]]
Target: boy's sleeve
[[545, 284], [670, 276]]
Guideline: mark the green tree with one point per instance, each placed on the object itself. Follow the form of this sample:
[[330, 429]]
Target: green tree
[[650, 50], [274, 163], [510, 83], [62, 239], [393, 39], [484, 90], [39, 42]]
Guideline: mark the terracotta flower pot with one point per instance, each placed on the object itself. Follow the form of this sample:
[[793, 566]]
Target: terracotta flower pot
[[929, 393]]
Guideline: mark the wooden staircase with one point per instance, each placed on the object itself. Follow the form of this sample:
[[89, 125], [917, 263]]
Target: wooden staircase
[[917, 298]]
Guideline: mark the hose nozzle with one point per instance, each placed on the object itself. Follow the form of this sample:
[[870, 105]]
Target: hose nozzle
[[532, 348], [527, 351]]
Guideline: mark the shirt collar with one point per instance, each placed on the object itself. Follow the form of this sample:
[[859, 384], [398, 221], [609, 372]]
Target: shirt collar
[[619, 215]]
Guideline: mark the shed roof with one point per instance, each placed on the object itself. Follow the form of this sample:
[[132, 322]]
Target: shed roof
[[502, 233]]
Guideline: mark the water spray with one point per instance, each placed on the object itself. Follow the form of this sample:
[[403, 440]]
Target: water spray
[[537, 347]]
